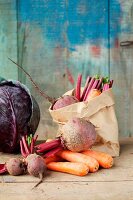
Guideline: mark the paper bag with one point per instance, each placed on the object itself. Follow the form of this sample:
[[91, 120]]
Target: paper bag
[[100, 112]]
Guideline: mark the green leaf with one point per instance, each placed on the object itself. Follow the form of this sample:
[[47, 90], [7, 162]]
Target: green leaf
[[106, 80], [97, 76]]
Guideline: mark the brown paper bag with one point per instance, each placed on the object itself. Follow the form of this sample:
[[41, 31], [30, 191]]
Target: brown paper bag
[[100, 112]]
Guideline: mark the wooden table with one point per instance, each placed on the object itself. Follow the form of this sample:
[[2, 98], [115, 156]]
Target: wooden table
[[113, 184]]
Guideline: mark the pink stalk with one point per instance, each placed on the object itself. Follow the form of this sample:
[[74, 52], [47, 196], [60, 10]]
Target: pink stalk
[[25, 145], [99, 84], [35, 139], [3, 168], [22, 149], [105, 87], [111, 83], [94, 86], [85, 88], [41, 148], [53, 152], [89, 88], [32, 146], [78, 87]]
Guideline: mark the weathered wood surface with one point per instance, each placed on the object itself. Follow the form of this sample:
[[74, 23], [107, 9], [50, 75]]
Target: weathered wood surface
[[121, 68], [114, 183], [8, 38], [48, 38]]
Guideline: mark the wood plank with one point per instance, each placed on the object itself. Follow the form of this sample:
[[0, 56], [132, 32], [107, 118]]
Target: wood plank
[[121, 69], [8, 38], [65, 191], [59, 35], [122, 171]]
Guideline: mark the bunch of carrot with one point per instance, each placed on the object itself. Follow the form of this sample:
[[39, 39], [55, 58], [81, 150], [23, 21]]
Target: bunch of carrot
[[94, 86], [78, 163]]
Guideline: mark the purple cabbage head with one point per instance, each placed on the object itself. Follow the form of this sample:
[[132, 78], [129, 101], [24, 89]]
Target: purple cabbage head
[[19, 114]]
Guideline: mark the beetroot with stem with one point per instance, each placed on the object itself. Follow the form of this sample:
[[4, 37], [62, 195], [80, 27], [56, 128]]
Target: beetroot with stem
[[76, 135], [28, 146], [63, 101], [15, 166], [36, 166]]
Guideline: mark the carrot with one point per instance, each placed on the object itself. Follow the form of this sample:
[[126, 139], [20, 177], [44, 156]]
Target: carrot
[[78, 169], [104, 159], [53, 158], [93, 93], [80, 158]]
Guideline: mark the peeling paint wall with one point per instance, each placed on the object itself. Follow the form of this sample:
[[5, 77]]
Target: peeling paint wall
[[56, 40]]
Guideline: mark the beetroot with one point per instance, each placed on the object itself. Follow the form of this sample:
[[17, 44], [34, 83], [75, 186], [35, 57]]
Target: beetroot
[[15, 166], [56, 103], [36, 166], [64, 101], [76, 135]]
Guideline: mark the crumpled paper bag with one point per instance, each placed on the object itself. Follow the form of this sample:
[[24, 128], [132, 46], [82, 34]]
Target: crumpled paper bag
[[101, 113]]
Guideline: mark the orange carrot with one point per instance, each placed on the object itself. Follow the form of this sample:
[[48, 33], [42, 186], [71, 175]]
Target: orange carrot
[[80, 158], [78, 169], [104, 159], [93, 93], [53, 158]]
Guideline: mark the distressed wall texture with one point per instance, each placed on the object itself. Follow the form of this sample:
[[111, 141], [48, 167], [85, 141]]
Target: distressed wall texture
[[54, 39]]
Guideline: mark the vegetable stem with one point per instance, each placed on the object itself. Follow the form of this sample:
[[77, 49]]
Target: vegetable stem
[[99, 83], [85, 88], [51, 100], [3, 168], [89, 88], [53, 152], [41, 148], [22, 149], [78, 87], [25, 145]]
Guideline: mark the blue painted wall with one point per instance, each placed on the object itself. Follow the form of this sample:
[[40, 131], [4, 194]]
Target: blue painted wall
[[54, 40], [80, 21]]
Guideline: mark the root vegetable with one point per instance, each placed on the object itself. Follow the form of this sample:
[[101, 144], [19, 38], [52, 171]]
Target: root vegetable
[[57, 103], [64, 101], [78, 169], [93, 93], [36, 166], [104, 159], [54, 158], [92, 163], [15, 166], [76, 135]]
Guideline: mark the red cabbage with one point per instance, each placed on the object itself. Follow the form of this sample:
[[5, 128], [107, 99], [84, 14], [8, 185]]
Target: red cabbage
[[17, 115]]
